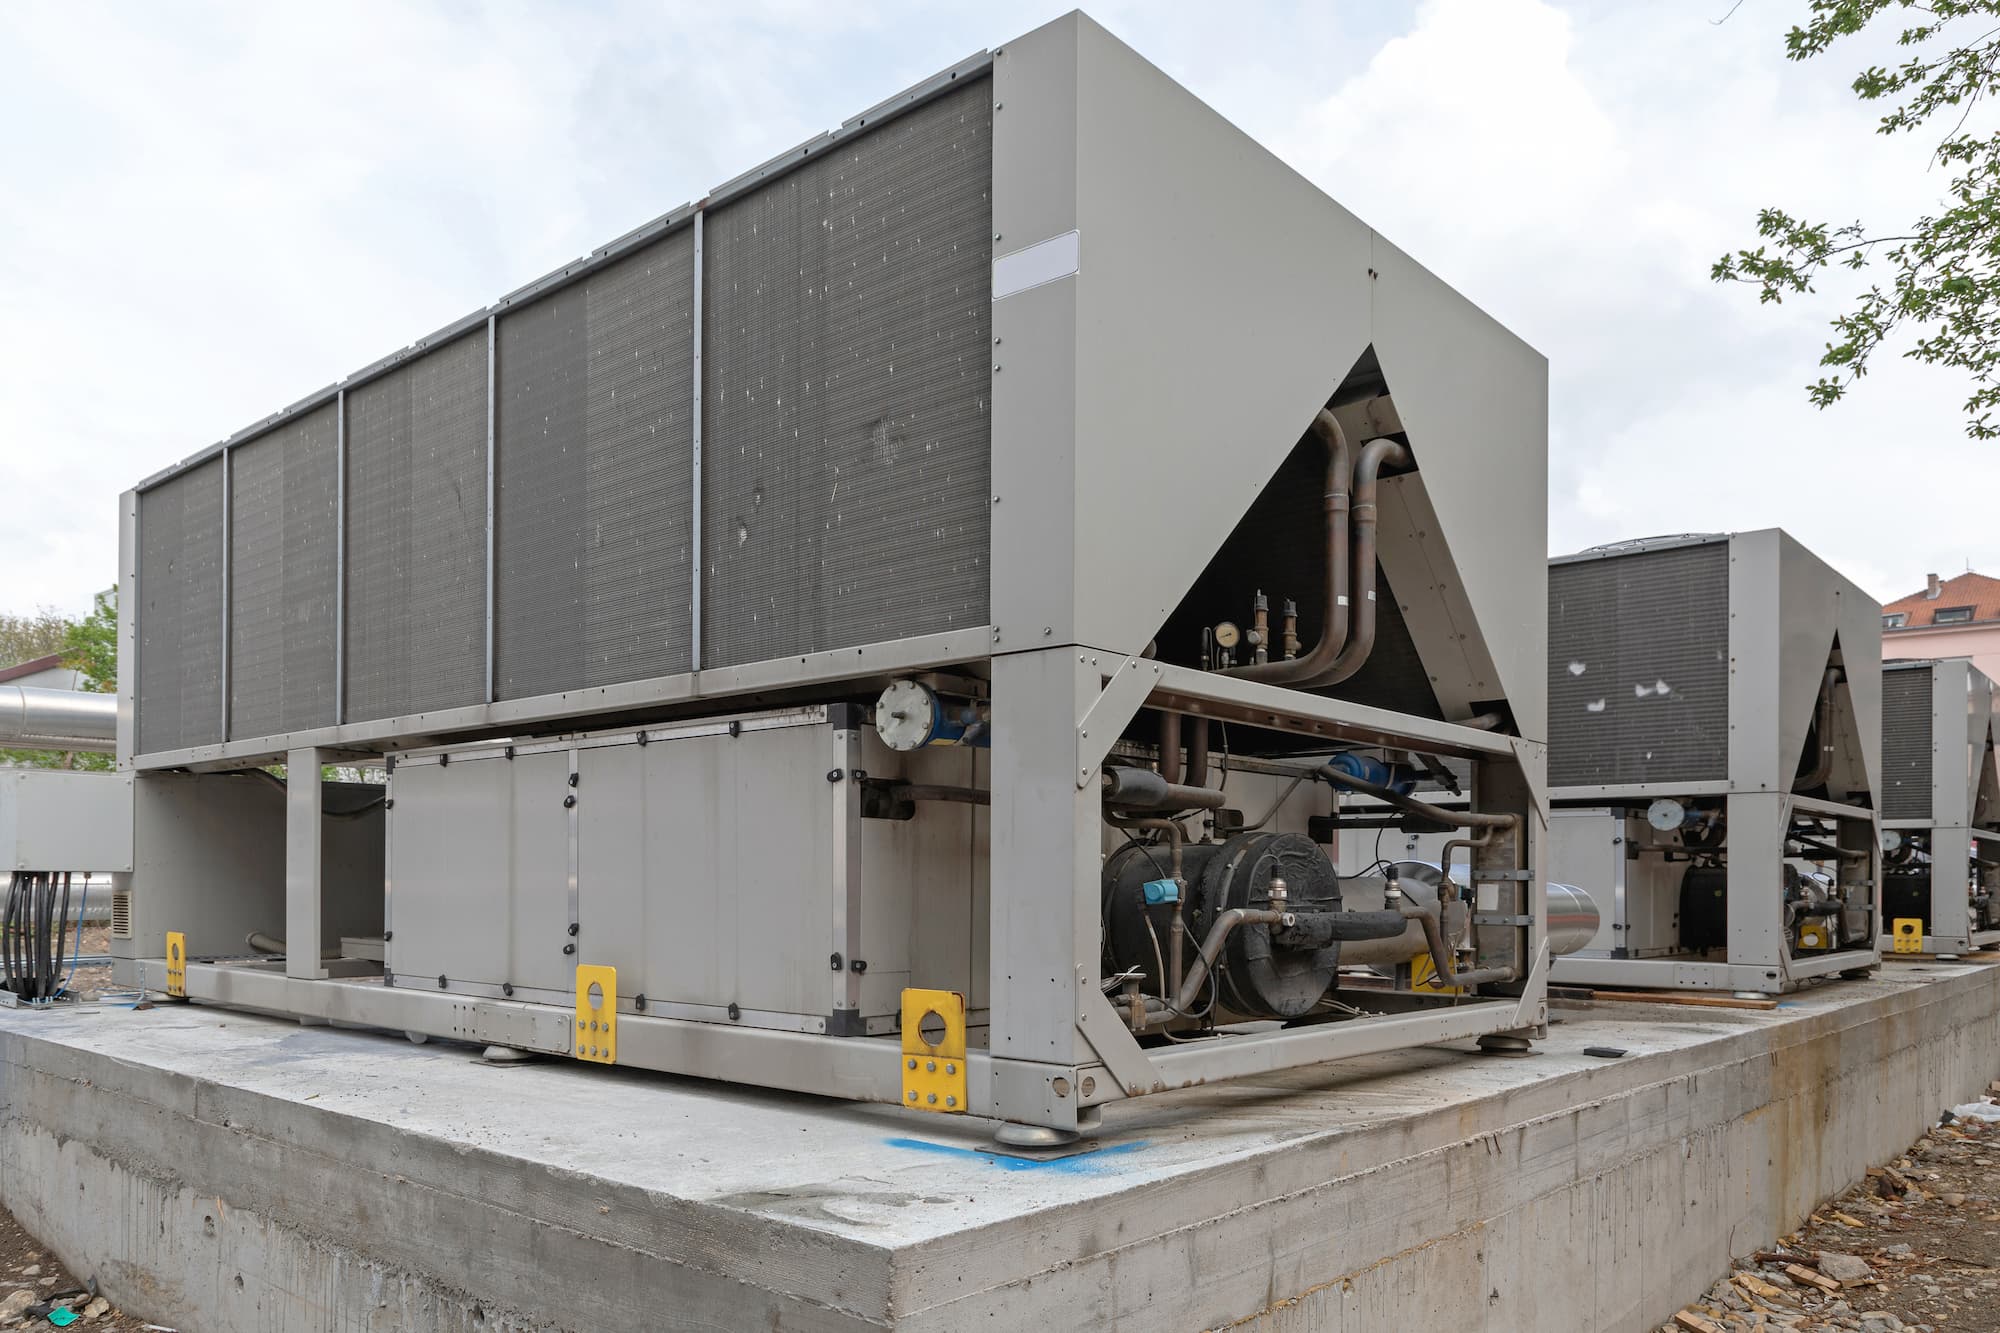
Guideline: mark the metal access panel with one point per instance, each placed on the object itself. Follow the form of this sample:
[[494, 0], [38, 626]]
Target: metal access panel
[[743, 870], [52, 819]]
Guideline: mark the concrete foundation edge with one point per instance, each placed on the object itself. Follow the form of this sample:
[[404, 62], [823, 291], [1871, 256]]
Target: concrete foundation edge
[[1621, 1194]]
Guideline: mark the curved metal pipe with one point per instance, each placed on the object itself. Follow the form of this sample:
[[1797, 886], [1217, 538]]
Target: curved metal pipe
[[41, 719], [1334, 617], [1822, 734], [1367, 472]]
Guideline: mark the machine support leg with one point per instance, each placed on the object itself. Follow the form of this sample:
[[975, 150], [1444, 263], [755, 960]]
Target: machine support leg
[[1045, 867], [1951, 927], [1756, 913], [302, 864]]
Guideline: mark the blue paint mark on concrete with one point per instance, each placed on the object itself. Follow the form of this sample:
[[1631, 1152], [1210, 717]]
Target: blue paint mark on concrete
[[1075, 1164]]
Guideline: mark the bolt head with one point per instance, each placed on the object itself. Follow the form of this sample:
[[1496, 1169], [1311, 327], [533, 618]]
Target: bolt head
[[932, 1099], [951, 1101], [912, 1094]]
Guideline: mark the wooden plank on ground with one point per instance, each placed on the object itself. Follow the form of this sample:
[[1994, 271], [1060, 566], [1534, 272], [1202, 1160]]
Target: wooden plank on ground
[[1698, 999]]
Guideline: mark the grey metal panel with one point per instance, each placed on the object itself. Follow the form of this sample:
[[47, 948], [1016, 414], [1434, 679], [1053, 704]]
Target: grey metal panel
[[479, 856], [282, 548], [845, 415], [416, 556], [1907, 754], [593, 509], [180, 611], [1620, 627]]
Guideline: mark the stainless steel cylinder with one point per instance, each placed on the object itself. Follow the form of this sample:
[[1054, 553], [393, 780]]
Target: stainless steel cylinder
[[1573, 913], [1572, 918], [39, 719]]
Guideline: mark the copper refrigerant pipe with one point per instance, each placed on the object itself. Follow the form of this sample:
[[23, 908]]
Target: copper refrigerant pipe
[[1333, 621], [1367, 471]]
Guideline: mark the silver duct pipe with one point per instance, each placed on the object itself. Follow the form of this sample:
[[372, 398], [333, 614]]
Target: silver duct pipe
[[1573, 913], [39, 719]]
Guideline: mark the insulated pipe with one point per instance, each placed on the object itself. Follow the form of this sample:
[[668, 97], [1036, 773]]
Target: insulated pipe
[[1436, 814], [1333, 620], [39, 719], [1367, 471], [1143, 789], [1822, 734], [1189, 990], [1197, 755]]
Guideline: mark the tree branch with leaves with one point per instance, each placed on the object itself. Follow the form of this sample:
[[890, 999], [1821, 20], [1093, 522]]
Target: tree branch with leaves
[[1940, 272]]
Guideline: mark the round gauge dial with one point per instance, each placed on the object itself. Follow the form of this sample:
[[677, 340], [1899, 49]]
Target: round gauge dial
[[1227, 635], [1666, 814]]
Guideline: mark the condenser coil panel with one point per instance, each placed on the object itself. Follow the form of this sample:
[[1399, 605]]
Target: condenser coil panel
[[760, 430], [1908, 752], [1639, 667]]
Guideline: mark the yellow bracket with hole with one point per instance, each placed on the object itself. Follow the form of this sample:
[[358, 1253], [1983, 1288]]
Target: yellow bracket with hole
[[1812, 937], [1423, 976], [596, 1035], [1909, 933], [177, 964], [934, 1072]]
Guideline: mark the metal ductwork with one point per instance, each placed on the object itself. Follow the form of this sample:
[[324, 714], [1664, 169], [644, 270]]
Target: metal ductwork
[[36, 719]]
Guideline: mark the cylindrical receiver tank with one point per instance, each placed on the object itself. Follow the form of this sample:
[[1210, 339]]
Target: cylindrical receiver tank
[[1572, 912], [38, 719], [1572, 918]]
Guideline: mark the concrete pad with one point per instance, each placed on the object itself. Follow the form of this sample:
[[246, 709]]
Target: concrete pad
[[222, 1171]]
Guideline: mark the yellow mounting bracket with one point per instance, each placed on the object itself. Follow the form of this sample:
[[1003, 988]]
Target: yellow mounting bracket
[[934, 1071], [177, 964], [1813, 937], [1909, 933], [596, 1035]]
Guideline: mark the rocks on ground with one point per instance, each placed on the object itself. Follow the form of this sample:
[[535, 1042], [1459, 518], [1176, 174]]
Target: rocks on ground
[[1914, 1248]]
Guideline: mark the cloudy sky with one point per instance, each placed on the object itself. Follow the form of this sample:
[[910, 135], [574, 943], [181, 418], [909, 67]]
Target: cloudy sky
[[208, 210]]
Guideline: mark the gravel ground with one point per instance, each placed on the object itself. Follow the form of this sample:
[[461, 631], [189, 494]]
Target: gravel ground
[[30, 1277], [1915, 1246]]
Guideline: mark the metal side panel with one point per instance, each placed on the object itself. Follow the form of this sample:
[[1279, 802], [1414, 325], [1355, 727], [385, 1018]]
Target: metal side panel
[[416, 535], [1638, 667], [845, 413], [180, 613], [283, 524], [705, 869], [479, 869], [1908, 751], [594, 465]]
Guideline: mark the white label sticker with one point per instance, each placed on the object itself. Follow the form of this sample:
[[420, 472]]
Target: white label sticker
[[1042, 263]]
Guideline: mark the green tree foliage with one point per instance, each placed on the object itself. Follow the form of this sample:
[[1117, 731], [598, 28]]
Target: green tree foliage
[[1939, 273], [38, 634], [89, 646]]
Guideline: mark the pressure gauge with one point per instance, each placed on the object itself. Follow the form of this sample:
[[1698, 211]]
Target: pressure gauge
[[1891, 840], [1666, 814], [1227, 635]]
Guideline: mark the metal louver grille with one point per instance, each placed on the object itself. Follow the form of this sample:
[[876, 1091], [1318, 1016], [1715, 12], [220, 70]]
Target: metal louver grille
[[121, 914], [416, 535], [1639, 667], [1906, 743], [282, 521], [845, 406], [180, 611], [595, 465]]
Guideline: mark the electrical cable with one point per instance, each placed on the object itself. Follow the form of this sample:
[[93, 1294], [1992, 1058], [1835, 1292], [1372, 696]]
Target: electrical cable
[[82, 905]]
